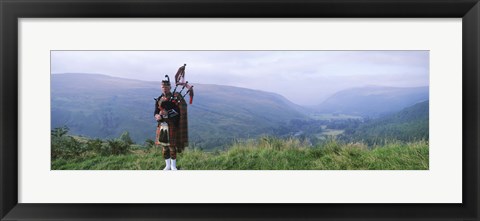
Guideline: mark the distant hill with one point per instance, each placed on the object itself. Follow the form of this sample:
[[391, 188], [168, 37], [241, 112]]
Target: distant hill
[[101, 106], [372, 101], [222, 113], [409, 124]]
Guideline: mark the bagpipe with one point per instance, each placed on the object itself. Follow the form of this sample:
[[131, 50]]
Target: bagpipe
[[180, 80]]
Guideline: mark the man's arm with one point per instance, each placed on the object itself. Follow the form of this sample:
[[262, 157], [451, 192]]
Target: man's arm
[[157, 110], [156, 113]]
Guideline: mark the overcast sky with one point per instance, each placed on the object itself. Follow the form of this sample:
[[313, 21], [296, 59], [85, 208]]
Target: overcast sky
[[303, 77]]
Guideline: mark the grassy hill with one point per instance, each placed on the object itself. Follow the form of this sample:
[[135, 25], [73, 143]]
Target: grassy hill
[[409, 124], [100, 106], [265, 154]]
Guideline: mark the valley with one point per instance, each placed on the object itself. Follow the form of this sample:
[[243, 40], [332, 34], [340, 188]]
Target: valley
[[104, 107]]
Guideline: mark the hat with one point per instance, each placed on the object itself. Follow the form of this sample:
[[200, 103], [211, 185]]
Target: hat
[[166, 82]]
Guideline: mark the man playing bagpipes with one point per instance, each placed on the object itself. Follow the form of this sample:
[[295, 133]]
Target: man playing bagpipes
[[172, 129]]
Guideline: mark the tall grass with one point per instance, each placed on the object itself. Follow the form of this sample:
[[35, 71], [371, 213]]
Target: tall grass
[[268, 154]]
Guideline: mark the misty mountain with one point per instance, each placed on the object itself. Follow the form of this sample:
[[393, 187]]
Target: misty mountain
[[101, 106], [409, 124], [372, 101]]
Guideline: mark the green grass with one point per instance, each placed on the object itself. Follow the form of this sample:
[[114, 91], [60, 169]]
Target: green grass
[[267, 154]]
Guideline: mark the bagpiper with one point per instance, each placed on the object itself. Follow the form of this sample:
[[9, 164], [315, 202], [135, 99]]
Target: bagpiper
[[172, 121]]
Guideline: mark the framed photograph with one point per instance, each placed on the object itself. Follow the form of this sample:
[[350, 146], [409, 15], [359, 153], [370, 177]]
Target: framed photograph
[[161, 110]]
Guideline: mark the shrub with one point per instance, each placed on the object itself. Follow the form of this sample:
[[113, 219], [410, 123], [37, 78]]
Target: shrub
[[59, 131], [117, 147], [95, 145], [66, 147], [149, 143], [125, 137]]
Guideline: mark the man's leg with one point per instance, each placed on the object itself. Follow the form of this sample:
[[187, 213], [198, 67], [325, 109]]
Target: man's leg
[[173, 155], [166, 156]]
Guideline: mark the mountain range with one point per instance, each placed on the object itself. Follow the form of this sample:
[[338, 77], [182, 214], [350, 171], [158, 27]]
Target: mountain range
[[372, 101], [100, 106]]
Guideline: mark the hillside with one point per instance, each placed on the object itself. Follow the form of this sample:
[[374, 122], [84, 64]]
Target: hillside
[[372, 101], [410, 124], [100, 106], [268, 154]]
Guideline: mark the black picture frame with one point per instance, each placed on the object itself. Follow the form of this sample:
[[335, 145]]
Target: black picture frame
[[12, 10]]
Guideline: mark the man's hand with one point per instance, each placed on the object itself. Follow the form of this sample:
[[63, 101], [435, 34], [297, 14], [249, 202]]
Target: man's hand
[[157, 117], [163, 112]]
